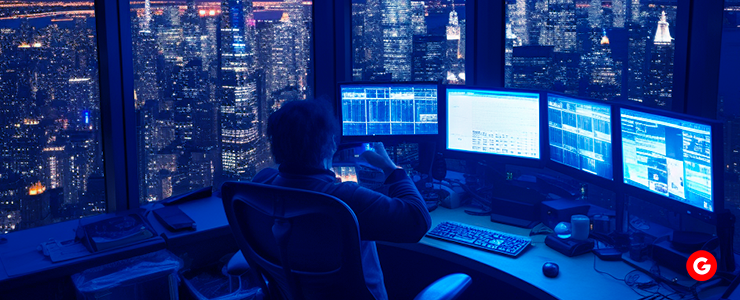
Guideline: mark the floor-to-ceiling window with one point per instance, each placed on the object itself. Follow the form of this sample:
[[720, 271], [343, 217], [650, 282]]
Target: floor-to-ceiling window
[[206, 77], [51, 156], [403, 40], [616, 49], [728, 107]]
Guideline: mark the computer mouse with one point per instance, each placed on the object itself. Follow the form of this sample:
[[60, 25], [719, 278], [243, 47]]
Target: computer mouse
[[550, 269]]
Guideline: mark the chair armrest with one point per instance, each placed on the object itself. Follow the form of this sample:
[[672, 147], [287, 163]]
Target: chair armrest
[[237, 264], [446, 288]]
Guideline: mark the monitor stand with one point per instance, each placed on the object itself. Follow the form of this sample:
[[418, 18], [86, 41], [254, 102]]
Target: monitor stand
[[513, 221]]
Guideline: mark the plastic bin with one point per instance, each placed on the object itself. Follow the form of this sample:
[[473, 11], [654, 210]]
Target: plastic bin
[[212, 283], [149, 276]]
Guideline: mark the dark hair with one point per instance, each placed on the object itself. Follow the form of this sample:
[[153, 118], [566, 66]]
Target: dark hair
[[301, 132]]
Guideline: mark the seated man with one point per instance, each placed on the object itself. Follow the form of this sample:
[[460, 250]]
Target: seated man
[[303, 137]]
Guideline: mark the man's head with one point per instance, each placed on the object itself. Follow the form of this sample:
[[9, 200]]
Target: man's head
[[303, 133]]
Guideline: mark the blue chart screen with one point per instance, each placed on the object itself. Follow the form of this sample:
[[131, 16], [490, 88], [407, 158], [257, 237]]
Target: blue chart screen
[[668, 156], [495, 122], [389, 109], [580, 134]]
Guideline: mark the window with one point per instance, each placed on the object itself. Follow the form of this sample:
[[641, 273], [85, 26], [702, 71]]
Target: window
[[207, 75], [728, 106], [617, 49], [50, 139], [406, 40]]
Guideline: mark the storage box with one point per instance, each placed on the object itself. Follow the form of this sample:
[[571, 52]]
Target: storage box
[[212, 283], [149, 276]]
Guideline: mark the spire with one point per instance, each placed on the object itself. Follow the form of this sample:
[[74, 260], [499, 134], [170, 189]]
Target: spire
[[604, 38], [662, 35], [453, 27], [509, 33], [147, 14]]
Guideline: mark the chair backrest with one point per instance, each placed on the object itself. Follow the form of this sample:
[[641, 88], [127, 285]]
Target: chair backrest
[[307, 244]]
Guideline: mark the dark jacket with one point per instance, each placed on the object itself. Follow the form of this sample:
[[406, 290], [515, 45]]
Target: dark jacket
[[399, 217]]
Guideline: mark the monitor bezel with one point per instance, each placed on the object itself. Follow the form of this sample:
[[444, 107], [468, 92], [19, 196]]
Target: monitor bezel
[[391, 139], [579, 174], [665, 201], [492, 157]]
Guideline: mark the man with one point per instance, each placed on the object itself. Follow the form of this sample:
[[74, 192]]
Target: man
[[303, 136]]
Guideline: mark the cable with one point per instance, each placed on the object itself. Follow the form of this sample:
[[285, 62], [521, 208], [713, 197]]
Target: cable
[[631, 280], [602, 272], [483, 202]]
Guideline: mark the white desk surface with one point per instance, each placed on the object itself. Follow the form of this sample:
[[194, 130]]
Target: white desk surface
[[576, 280]]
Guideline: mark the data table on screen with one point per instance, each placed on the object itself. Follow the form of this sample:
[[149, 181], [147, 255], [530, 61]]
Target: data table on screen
[[494, 122], [369, 110], [668, 156], [580, 134]]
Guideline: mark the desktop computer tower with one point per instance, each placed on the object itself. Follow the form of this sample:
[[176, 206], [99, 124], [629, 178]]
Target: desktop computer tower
[[515, 205]]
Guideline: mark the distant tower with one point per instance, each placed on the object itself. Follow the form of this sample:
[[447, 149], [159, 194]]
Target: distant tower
[[453, 27], [638, 40], [397, 38], [453, 48], [418, 19], [604, 38], [147, 15], [604, 73], [560, 28], [238, 114], [663, 35], [659, 85]]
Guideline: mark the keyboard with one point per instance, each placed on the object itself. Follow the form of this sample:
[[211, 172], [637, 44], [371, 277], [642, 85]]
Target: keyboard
[[481, 238]]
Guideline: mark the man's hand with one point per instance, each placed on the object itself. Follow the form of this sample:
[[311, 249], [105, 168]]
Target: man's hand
[[379, 159]]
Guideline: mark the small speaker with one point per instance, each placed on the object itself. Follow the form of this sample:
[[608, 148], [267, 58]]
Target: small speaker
[[726, 233], [439, 167], [580, 226]]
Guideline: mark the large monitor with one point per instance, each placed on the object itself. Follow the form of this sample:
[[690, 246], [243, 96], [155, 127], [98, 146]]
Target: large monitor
[[500, 122], [670, 156], [389, 109], [580, 134]]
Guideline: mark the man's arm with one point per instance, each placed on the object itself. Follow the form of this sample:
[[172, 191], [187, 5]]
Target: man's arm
[[401, 216]]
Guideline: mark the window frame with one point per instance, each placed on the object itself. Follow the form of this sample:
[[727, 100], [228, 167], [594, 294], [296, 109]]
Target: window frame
[[113, 25]]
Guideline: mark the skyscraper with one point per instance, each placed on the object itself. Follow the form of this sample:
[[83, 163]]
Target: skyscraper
[[560, 29], [659, 86], [429, 58], [418, 21], [604, 72], [238, 119], [454, 61], [531, 67], [397, 38]]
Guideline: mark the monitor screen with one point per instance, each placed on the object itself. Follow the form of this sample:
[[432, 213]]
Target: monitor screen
[[493, 122], [389, 109], [580, 134], [668, 156]]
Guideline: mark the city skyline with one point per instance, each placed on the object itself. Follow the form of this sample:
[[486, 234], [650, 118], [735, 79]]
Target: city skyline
[[202, 91]]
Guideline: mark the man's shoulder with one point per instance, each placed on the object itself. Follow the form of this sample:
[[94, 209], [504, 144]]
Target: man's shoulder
[[265, 176]]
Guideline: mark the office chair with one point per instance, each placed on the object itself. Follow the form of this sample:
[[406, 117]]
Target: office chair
[[305, 245]]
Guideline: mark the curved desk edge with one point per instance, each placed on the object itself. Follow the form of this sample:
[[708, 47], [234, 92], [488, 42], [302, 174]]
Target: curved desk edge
[[474, 265]]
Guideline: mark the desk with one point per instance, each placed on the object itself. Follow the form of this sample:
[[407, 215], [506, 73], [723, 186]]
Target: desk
[[577, 278], [22, 246]]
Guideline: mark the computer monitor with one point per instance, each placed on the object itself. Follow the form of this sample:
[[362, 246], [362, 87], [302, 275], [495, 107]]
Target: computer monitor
[[383, 111], [580, 136], [505, 123], [674, 156]]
